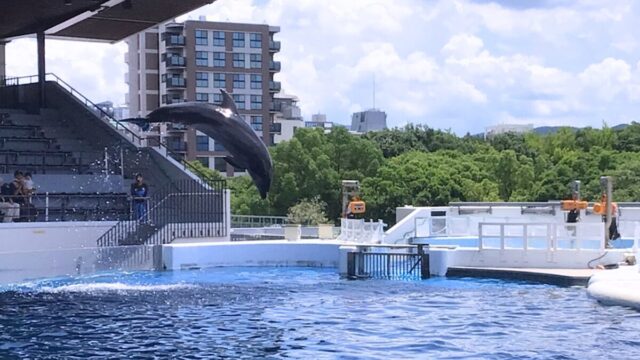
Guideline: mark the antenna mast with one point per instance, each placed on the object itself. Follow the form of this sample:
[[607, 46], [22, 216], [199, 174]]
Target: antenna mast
[[374, 91]]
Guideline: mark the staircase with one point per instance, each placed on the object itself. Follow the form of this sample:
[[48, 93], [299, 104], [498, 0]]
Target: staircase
[[184, 209]]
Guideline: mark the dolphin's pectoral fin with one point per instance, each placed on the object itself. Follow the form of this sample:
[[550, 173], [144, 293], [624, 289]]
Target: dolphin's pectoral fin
[[140, 122], [233, 162], [227, 102]]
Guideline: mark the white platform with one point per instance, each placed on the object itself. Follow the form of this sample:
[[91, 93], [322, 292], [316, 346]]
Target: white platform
[[306, 253], [617, 287]]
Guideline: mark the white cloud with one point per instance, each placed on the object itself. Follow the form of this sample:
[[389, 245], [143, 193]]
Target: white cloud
[[460, 64], [463, 46]]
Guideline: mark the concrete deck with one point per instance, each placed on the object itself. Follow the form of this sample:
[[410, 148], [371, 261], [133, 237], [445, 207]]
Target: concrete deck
[[560, 277]]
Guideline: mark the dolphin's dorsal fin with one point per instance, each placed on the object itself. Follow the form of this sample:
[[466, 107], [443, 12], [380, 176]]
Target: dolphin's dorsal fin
[[227, 101]]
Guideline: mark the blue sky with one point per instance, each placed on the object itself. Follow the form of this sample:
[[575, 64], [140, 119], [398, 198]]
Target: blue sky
[[459, 65]]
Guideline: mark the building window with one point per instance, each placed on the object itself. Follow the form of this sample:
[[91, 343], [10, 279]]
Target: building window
[[238, 60], [202, 79], [240, 101], [256, 61], [255, 40], [238, 81], [218, 38], [219, 81], [201, 37], [204, 97], [202, 143], [204, 161], [256, 103], [256, 81], [256, 122], [238, 39], [218, 59], [218, 147], [217, 99], [163, 78], [220, 164], [202, 58]]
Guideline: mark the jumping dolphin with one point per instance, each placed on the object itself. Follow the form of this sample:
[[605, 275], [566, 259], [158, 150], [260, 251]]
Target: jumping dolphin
[[225, 126]]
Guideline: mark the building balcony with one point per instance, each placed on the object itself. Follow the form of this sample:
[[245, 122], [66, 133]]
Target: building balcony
[[275, 107], [274, 66], [274, 46], [176, 82], [275, 128], [175, 61], [274, 86], [174, 40], [174, 27]]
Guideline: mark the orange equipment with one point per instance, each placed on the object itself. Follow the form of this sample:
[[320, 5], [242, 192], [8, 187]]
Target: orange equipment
[[357, 206], [600, 208], [573, 205]]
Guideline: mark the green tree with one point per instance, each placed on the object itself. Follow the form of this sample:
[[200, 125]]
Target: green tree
[[308, 212]]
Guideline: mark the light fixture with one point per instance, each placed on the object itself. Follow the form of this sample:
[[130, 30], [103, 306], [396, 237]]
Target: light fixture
[[67, 2]]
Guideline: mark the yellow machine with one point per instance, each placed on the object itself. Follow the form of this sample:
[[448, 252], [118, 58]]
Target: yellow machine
[[352, 205], [357, 206]]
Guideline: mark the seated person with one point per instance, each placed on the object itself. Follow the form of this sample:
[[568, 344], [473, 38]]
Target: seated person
[[10, 210]]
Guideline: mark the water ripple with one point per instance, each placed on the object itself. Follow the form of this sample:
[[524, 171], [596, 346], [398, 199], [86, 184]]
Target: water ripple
[[295, 313]]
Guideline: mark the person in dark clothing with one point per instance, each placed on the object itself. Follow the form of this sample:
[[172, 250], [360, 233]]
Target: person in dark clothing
[[17, 188], [139, 192], [573, 216]]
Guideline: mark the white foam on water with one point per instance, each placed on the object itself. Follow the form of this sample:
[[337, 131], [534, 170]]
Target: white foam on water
[[113, 287]]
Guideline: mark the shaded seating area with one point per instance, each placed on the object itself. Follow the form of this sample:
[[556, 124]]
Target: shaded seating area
[[73, 182]]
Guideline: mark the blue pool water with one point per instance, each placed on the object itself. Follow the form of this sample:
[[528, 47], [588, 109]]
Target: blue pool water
[[308, 314]]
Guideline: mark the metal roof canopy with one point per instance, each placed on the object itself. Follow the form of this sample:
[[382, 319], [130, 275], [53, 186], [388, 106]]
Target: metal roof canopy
[[97, 20]]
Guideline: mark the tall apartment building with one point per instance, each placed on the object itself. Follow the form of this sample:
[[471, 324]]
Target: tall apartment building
[[192, 61]]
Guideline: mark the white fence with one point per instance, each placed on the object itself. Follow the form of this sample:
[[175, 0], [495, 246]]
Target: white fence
[[541, 236], [443, 226], [360, 231], [508, 233]]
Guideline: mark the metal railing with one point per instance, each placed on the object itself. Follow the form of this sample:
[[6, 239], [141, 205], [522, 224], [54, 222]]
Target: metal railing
[[278, 232], [442, 226], [101, 113], [257, 221], [55, 207], [541, 236], [361, 231], [395, 263], [183, 209]]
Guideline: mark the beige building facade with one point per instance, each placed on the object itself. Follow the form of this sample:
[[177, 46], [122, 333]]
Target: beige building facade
[[192, 61]]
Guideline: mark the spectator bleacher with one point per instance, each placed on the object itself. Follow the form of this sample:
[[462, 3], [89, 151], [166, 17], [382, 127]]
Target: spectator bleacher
[[73, 180], [82, 162]]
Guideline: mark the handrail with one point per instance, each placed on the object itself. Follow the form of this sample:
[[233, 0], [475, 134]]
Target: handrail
[[13, 81], [41, 204]]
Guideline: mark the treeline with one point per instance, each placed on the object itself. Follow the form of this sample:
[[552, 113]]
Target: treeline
[[420, 166]]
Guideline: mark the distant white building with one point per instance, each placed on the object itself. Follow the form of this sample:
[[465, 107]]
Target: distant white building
[[369, 120], [494, 130], [319, 121], [287, 119]]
